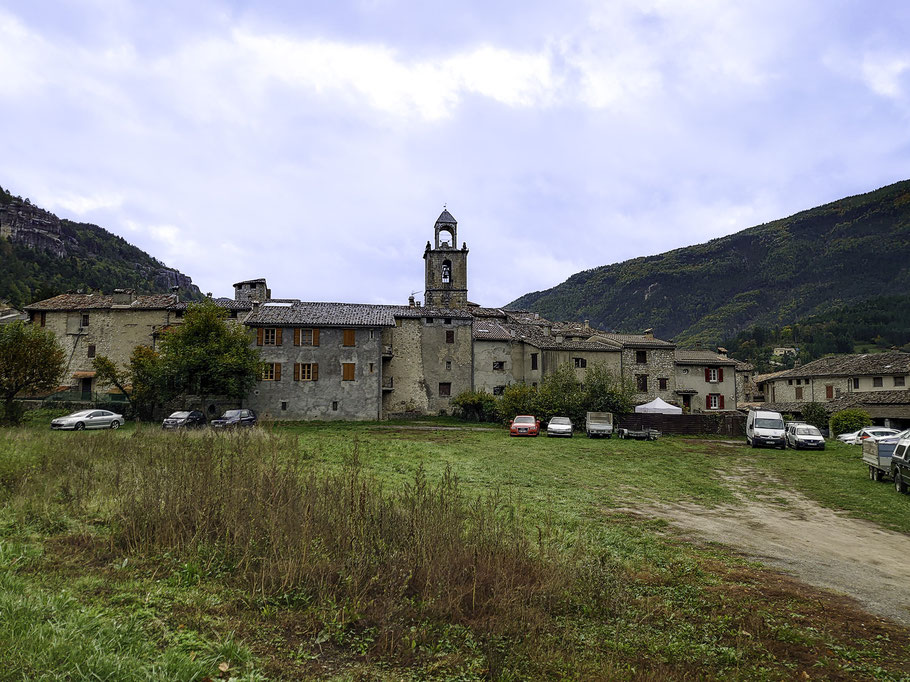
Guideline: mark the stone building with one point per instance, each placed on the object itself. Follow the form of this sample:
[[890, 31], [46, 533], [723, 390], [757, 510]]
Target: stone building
[[705, 381]]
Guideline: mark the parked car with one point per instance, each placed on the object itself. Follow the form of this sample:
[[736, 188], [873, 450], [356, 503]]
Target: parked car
[[806, 436], [874, 432], [896, 437], [235, 418], [88, 419], [193, 419], [559, 426], [524, 425], [765, 428], [900, 465], [848, 437]]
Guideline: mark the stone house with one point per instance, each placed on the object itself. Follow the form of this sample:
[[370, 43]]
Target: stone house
[[705, 381]]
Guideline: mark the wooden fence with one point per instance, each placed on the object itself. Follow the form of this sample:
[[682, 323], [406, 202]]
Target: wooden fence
[[725, 424]]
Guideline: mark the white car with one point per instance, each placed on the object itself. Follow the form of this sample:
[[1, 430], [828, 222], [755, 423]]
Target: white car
[[88, 419], [559, 426], [896, 437], [806, 436], [874, 432]]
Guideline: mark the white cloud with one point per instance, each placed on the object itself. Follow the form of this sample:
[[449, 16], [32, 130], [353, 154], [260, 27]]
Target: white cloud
[[885, 74], [81, 204]]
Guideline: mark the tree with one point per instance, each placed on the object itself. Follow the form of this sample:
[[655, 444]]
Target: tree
[[606, 392], [204, 356], [108, 374], [150, 385], [815, 414], [847, 421], [30, 360]]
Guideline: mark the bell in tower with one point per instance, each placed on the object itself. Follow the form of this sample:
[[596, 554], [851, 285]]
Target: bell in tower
[[446, 267]]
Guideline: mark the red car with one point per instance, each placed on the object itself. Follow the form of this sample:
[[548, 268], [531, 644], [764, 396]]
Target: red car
[[524, 425]]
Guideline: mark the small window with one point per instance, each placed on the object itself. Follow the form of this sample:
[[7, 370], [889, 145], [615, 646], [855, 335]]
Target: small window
[[372, 367], [641, 382], [789, 382], [798, 382], [713, 401], [91, 351], [499, 365], [662, 384], [580, 363], [347, 371], [85, 319], [268, 371], [372, 335], [877, 382], [450, 336], [397, 321], [498, 390], [350, 337], [712, 374], [448, 364], [855, 383], [899, 381], [284, 405], [335, 406], [799, 393], [447, 320], [268, 336], [429, 320], [308, 371], [641, 357], [533, 360], [309, 337], [445, 389]]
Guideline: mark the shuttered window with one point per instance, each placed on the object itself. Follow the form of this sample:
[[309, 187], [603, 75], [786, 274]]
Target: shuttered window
[[349, 337], [271, 371], [306, 371], [306, 337], [347, 371], [268, 336]]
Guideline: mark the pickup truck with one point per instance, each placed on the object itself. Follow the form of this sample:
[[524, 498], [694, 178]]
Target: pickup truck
[[599, 424]]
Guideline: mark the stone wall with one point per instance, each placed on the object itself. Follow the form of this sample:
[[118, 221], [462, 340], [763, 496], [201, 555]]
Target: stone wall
[[661, 364]]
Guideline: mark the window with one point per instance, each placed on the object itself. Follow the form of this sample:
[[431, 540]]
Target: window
[[855, 383], [306, 337], [306, 371], [371, 335], [499, 365], [580, 363], [641, 357], [829, 392], [397, 321], [271, 371], [429, 320], [711, 375], [877, 382], [498, 390], [450, 336], [42, 318], [85, 319], [533, 360], [448, 364], [798, 382], [347, 371], [447, 320], [445, 389], [268, 336], [350, 337], [91, 351], [662, 384], [284, 405], [899, 381], [641, 381], [714, 401], [799, 393], [446, 271], [372, 367], [335, 406], [789, 382]]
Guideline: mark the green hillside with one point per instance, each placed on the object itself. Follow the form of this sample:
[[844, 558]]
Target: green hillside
[[817, 260], [42, 256]]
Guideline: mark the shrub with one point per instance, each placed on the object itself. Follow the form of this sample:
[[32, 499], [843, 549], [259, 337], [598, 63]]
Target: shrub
[[561, 395], [517, 399], [475, 406], [605, 392], [816, 414], [846, 421]]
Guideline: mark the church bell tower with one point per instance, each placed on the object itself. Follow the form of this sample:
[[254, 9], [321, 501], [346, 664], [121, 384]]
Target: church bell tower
[[446, 267]]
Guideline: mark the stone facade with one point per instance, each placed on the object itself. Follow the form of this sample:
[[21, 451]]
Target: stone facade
[[705, 381], [654, 372], [446, 266]]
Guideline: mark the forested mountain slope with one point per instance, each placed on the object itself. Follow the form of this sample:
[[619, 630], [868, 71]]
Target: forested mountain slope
[[773, 274], [42, 256]]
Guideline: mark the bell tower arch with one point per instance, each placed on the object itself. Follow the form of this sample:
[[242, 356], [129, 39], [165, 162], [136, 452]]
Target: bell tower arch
[[446, 280]]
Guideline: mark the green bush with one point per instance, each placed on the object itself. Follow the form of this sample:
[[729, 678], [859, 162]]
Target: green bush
[[816, 414], [475, 406], [846, 421], [517, 399]]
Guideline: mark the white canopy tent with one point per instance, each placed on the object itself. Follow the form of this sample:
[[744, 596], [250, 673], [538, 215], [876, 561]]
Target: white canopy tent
[[658, 406]]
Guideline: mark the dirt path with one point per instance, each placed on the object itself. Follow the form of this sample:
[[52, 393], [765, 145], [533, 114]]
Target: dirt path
[[855, 558]]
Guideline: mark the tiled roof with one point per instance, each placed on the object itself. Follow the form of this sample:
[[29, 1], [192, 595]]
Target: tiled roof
[[420, 311], [744, 366], [259, 280], [490, 330], [636, 340], [322, 315], [480, 311], [771, 375], [226, 303], [873, 398], [893, 362], [101, 301], [702, 357], [445, 217]]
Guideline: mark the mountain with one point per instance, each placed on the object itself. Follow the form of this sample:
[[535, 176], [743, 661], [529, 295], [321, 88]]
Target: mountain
[[42, 256], [838, 254]]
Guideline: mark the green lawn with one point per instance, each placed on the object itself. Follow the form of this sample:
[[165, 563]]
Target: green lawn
[[85, 593]]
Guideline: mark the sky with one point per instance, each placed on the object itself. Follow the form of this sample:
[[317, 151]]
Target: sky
[[315, 143]]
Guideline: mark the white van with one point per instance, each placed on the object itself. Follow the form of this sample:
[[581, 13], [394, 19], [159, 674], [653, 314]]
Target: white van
[[764, 428]]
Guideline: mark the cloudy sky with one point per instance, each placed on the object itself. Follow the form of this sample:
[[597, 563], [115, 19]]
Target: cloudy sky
[[315, 143]]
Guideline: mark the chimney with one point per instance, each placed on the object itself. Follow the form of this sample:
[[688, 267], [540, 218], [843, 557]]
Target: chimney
[[411, 301], [722, 351], [174, 291], [123, 297], [559, 338], [649, 333], [255, 304], [587, 325]]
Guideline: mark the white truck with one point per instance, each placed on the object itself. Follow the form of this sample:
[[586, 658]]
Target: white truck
[[599, 424]]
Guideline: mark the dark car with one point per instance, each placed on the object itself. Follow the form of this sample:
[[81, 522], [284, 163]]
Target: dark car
[[234, 418], [192, 419]]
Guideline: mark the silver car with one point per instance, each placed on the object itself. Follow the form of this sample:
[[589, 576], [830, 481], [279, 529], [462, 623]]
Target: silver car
[[559, 426], [88, 419]]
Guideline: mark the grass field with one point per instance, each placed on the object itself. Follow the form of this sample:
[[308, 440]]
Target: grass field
[[403, 551]]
